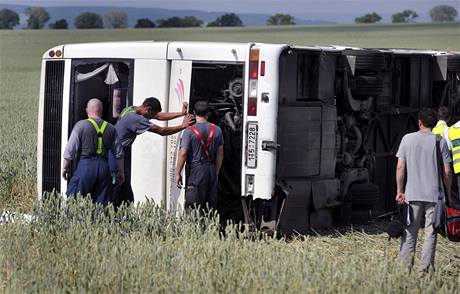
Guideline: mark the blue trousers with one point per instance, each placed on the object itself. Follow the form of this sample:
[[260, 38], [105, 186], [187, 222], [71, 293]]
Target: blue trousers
[[122, 193], [202, 186], [92, 176]]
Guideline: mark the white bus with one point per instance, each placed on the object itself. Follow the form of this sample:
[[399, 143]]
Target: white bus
[[310, 131]]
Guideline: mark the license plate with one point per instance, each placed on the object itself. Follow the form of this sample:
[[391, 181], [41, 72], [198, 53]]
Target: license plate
[[251, 152]]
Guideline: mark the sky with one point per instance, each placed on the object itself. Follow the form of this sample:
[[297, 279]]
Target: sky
[[333, 10]]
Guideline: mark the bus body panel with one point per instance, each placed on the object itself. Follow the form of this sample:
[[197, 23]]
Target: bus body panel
[[179, 92], [149, 149], [65, 117], [267, 112], [202, 51], [131, 50]]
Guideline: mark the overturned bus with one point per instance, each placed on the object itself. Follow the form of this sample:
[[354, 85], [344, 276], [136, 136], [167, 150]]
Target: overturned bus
[[310, 131]]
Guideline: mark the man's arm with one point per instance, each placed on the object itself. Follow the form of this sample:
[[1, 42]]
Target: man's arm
[[448, 180], [71, 151], [166, 131], [172, 115], [400, 175], [120, 171], [219, 158], [180, 165]]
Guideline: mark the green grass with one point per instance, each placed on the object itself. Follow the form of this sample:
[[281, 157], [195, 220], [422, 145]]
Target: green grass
[[80, 256], [80, 249]]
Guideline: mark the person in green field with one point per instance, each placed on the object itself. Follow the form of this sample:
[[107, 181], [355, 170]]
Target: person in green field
[[91, 142], [134, 121], [418, 185]]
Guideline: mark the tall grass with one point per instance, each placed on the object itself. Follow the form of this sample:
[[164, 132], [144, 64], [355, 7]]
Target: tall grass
[[82, 248]]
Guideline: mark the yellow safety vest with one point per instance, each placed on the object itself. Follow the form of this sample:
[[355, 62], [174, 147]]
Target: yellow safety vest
[[454, 137], [100, 132], [126, 111], [439, 130]]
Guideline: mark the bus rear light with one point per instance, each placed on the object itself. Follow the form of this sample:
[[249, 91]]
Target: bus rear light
[[252, 106], [254, 55], [58, 53], [262, 68], [51, 53], [254, 70], [252, 88]]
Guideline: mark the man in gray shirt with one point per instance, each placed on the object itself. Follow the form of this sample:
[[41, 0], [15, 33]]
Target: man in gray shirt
[[134, 121], [202, 149], [417, 155], [90, 142]]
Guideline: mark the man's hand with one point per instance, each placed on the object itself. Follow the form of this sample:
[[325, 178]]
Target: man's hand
[[120, 178], [66, 169], [400, 198], [184, 108], [179, 181], [66, 173], [188, 121]]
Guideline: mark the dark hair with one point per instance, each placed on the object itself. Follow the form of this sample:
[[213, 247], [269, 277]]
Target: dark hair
[[428, 117], [443, 113], [201, 108], [153, 104]]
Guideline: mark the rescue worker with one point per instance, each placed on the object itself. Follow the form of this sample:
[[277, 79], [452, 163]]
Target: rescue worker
[[202, 149], [441, 127], [90, 143], [135, 120], [422, 188], [453, 143]]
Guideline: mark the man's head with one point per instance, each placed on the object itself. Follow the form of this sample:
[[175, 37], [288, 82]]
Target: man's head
[[150, 107], [202, 109], [443, 114], [94, 108], [427, 118]]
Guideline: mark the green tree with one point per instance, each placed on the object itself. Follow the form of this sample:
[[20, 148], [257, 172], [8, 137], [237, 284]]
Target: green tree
[[192, 21], [404, 16], [88, 20], [227, 20], [59, 25], [144, 23], [116, 20], [37, 17], [368, 18], [443, 13], [177, 22], [280, 19], [8, 19], [172, 22]]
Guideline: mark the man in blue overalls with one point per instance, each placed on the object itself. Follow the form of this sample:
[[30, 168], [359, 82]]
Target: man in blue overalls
[[202, 148], [90, 142]]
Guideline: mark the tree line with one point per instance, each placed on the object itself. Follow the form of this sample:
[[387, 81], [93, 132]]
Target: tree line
[[37, 17], [439, 13]]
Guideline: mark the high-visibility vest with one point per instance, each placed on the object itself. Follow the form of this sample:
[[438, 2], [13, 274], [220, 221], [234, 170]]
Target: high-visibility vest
[[454, 137], [126, 111], [439, 129], [100, 132]]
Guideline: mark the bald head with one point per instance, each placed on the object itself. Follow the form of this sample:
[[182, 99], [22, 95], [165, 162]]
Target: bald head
[[94, 108]]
